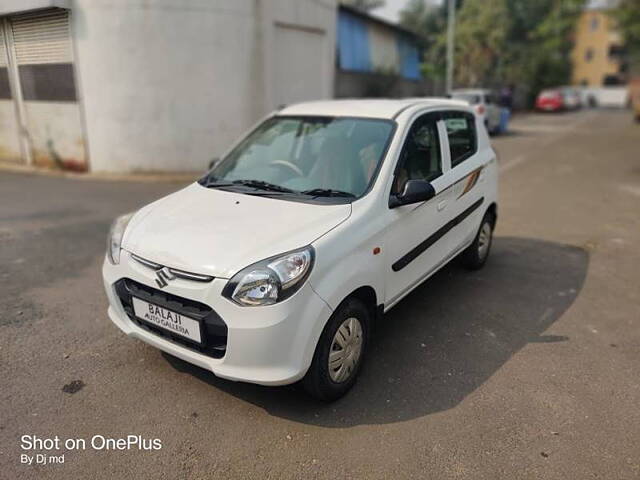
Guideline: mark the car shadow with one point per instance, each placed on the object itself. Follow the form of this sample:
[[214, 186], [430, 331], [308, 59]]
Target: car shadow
[[443, 341]]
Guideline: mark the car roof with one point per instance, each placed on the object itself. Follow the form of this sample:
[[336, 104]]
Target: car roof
[[472, 91], [364, 107]]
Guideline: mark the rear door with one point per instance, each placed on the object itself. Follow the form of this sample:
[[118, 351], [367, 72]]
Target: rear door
[[466, 202]]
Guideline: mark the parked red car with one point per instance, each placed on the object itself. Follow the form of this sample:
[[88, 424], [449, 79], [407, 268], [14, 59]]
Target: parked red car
[[550, 101]]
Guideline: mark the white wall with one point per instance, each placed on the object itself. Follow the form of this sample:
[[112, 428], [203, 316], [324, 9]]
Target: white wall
[[55, 134], [298, 78], [9, 144], [610, 96], [166, 84]]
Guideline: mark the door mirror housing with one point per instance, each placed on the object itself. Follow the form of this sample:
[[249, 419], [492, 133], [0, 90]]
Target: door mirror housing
[[415, 191]]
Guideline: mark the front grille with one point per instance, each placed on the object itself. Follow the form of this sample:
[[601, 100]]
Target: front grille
[[196, 277], [214, 341]]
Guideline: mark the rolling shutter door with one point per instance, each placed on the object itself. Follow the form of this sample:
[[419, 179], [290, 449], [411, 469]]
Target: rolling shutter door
[[42, 38], [42, 44]]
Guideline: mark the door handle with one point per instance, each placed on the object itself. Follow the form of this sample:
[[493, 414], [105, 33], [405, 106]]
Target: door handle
[[441, 205]]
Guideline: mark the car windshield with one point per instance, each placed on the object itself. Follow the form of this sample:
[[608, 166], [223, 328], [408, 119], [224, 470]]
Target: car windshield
[[305, 157]]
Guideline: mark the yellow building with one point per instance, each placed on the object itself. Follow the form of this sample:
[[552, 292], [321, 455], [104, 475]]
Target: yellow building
[[598, 53]]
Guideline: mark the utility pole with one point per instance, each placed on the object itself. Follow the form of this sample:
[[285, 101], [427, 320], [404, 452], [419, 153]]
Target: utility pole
[[451, 23]]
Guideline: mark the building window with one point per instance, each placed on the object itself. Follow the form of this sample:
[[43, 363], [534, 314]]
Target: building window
[[616, 51], [612, 80], [589, 54], [595, 21]]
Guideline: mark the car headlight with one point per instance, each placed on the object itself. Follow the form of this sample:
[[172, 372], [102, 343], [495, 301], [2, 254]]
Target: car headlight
[[114, 240], [271, 280]]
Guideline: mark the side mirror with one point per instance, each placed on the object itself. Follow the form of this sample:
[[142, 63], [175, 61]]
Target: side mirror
[[213, 162], [415, 191]]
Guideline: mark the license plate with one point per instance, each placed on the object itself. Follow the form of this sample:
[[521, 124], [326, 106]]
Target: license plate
[[167, 319]]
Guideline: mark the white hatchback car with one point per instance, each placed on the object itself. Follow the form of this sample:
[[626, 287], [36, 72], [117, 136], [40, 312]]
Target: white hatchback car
[[273, 267]]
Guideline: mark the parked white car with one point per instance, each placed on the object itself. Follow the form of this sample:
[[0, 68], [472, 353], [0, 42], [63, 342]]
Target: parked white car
[[484, 103], [272, 268]]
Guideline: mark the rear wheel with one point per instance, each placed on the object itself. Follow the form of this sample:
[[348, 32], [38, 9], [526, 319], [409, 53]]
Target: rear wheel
[[339, 353], [476, 254]]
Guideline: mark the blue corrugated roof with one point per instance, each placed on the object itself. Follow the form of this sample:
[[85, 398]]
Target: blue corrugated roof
[[354, 45]]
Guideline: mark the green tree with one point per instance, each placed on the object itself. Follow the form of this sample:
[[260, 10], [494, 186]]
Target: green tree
[[480, 41], [548, 62], [429, 20], [500, 42], [627, 14]]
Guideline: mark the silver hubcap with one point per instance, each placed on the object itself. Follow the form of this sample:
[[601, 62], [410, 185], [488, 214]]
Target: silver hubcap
[[484, 240], [345, 350]]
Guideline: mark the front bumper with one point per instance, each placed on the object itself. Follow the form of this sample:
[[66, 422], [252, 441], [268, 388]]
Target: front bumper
[[271, 345]]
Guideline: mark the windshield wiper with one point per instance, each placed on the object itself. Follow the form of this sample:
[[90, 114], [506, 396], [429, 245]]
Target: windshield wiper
[[210, 181], [272, 187], [327, 192], [215, 183]]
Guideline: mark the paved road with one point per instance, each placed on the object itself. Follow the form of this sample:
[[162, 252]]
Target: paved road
[[527, 369]]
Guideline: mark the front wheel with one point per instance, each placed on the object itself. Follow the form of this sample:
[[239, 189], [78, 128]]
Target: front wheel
[[476, 254], [339, 353]]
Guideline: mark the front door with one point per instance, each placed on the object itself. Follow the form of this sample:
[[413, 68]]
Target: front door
[[411, 241]]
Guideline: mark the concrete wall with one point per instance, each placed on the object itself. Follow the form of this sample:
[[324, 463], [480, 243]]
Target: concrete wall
[[384, 49], [167, 85], [56, 134], [9, 144], [42, 89]]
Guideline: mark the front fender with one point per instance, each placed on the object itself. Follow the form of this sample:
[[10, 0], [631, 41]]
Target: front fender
[[345, 268]]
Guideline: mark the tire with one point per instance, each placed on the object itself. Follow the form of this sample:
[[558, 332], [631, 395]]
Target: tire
[[475, 255], [324, 383]]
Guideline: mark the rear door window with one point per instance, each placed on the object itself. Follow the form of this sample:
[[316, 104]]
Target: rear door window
[[461, 132]]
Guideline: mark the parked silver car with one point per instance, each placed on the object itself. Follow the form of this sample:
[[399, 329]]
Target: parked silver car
[[484, 103]]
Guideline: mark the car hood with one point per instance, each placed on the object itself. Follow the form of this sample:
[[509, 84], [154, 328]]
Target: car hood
[[216, 232]]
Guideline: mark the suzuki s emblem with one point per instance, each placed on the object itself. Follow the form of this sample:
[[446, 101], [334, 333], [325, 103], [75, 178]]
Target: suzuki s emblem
[[164, 276]]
